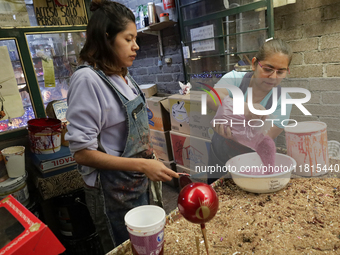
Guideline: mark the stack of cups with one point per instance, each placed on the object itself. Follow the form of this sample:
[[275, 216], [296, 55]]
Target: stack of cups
[[13, 159]]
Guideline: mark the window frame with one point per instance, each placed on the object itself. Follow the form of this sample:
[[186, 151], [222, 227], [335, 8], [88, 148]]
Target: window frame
[[19, 35]]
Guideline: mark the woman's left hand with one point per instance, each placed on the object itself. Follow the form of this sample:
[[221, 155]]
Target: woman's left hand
[[224, 131]]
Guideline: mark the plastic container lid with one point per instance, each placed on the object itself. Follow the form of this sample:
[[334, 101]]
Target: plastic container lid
[[164, 14], [12, 183]]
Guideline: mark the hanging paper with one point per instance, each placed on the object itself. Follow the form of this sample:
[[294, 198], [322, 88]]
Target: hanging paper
[[9, 93], [48, 69], [13, 13], [202, 33]]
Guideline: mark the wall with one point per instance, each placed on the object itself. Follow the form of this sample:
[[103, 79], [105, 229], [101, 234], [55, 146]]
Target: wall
[[312, 28], [145, 68]]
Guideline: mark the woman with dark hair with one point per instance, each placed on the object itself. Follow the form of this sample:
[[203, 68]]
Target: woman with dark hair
[[108, 131], [270, 66]]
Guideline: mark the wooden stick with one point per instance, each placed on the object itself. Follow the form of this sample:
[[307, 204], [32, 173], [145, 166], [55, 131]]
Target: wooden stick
[[204, 232], [248, 60], [197, 244]]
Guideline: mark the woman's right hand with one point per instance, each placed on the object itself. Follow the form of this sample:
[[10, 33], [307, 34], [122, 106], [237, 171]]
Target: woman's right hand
[[156, 171]]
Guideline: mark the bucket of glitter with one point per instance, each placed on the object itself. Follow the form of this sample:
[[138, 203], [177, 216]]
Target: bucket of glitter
[[145, 225], [44, 135]]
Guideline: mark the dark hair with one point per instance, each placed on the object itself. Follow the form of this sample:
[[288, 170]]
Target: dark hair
[[274, 46], [109, 19]]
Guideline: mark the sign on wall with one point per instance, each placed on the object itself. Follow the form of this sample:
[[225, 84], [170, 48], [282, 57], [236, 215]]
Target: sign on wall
[[202, 33], [71, 12]]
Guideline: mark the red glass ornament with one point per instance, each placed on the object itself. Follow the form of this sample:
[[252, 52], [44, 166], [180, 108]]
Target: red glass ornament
[[198, 202]]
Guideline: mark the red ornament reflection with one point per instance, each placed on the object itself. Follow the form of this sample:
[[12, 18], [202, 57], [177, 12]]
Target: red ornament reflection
[[198, 202]]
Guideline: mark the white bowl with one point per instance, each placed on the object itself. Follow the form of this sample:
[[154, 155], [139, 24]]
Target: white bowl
[[260, 183]]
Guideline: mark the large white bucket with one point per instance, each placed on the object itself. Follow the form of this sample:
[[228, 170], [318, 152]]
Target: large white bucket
[[307, 144], [243, 169], [145, 225]]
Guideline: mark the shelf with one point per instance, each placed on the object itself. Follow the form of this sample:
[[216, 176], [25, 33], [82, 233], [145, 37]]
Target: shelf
[[156, 27], [55, 56]]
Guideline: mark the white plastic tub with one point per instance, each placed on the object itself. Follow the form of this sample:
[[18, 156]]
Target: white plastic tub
[[265, 183]]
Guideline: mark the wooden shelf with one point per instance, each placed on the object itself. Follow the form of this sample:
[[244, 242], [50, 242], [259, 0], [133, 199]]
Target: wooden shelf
[[156, 27]]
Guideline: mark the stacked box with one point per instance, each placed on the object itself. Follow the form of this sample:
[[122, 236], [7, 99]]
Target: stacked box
[[190, 151], [149, 89], [159, 124], [186, 115], [55, 174], [161, 144], [158, 113], [55, 163]]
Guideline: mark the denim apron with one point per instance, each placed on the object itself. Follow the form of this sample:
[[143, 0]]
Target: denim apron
[[223, 149], [124, 190]]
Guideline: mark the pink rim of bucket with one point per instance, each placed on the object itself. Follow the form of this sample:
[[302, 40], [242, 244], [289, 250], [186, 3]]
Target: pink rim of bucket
[[38, 125]]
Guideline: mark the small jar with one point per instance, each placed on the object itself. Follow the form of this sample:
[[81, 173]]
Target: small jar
[[164, 17]]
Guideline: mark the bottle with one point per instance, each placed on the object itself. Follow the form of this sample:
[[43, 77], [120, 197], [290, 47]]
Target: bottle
[[169, 7], [152, 13]]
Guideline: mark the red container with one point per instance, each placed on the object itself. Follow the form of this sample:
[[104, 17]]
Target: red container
[[23, 232], [164, 17], [44, 135]]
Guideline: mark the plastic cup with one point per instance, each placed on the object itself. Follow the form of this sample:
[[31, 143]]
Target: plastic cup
[[145, 225], [15, 161]]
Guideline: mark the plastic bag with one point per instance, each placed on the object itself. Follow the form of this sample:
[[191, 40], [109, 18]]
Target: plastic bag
[[244, 132], [185, 88]]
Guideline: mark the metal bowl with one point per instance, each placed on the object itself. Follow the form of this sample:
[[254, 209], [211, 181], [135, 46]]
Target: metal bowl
[[241, 166]]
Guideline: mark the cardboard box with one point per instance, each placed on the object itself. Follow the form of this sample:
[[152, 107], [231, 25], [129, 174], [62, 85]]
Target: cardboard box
[[194, 176], [172, 166], [149, 89], [186, 115], [189, 151], [23, 233], [60, 158], [158, 113], [161, 144]]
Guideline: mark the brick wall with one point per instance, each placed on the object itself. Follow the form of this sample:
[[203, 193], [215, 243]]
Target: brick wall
[[312, 28], [145, 68]]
